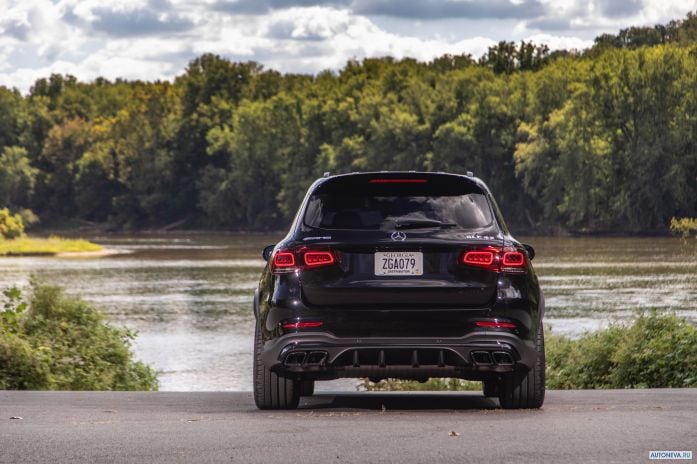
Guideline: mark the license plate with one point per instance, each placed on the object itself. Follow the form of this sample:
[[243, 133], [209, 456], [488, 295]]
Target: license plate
[[399, 263]]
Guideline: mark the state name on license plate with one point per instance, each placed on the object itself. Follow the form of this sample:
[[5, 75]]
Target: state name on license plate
[[399, 263]]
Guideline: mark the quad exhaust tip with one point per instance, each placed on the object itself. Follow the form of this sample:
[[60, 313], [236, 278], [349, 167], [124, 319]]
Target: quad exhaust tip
[[486, 358], [295, 359], [502, 358], [304, 358], [482, 358], [316, 357]]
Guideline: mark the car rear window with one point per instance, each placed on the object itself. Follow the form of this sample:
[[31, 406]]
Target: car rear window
[[360, 202]]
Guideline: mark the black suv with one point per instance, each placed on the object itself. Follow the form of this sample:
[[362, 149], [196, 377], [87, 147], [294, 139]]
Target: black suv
[[405, 275]]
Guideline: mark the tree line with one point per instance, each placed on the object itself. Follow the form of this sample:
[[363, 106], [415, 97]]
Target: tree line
[[599, 140]]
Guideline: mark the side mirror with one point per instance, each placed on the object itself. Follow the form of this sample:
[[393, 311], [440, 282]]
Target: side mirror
[[530, 250], [266, 253]]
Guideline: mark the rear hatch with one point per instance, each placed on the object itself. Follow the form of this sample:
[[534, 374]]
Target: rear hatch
[[398, 240]]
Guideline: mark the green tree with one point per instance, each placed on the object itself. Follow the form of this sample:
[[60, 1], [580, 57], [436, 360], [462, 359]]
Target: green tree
[[65, 144], [17, 178], [265, 135], [11, 106], [136, 159]]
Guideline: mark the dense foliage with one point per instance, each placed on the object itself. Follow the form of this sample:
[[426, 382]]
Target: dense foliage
[[655, 351], [11, 225], [686, 227], [600, 140], [58, 342]]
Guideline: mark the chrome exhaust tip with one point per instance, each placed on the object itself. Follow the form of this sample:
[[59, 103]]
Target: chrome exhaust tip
[[482, 358], [503, 359], [295, 359], [316, 358]]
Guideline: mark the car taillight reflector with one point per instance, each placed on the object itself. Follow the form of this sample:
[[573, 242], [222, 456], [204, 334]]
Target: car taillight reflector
[[398, 181], [302, 325], [318, 258], [284, 259], [495, 325]]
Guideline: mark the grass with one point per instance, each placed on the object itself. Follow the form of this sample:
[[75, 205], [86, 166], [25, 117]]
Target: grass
[[35, 246]]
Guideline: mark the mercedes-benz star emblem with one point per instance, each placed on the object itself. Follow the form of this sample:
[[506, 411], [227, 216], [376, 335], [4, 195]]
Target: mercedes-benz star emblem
[[398, 236]]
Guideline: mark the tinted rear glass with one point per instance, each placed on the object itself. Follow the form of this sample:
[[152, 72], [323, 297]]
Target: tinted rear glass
[[356, 203]]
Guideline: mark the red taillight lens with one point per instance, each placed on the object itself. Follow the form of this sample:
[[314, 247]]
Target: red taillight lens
[[478, 258], [496, 325], [513, 262], [302, 325], [284, 259], [496, 259], [398, 181], [513, 259], [319, 258], [289, 260]]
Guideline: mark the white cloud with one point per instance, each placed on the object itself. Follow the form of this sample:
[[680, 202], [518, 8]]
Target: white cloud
[[589, 18], [24, 78], [155, 39], [560, 42], [320, 38], [84, 9], [314, 23]]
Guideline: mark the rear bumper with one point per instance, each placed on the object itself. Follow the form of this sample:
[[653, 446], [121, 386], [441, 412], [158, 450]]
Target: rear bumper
[[321, 355]]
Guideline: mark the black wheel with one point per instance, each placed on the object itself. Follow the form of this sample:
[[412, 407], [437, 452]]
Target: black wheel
[[271, 391], [307, 387], [526, 390], [490, 388]]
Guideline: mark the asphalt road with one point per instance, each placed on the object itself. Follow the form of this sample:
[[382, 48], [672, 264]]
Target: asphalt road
[[573, 426]]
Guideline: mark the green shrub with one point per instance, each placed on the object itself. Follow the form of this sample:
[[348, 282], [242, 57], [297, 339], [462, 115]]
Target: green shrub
[[655, 351], [684, 226], [583, 363], [687, 229], [62, 343], [21, 366], [11, 225]]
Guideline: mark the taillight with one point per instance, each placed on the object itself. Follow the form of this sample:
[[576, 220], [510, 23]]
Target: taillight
[[318, 258], [496, 259], [284, 259], [289, 260], [495, 325], [513, 261], [478, 258], [486, 258]]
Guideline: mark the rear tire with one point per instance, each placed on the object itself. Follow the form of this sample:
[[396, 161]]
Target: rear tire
[[271, 391], [526, 390]]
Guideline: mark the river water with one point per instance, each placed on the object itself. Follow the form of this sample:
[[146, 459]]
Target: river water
[[189, 296]]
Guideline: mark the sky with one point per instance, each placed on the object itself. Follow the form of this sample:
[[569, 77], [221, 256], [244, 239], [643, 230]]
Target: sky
[[156, 39]]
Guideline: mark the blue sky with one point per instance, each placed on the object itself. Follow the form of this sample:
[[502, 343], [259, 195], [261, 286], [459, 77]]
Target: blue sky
[[155, 39]]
